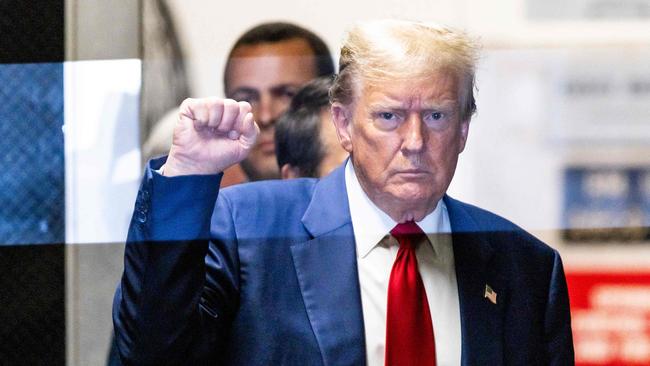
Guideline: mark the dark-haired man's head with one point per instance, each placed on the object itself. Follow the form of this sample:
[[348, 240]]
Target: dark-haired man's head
[[306, 141], [266, 67]]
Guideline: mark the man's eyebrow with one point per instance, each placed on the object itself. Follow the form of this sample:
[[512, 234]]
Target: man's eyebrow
[[445, 104], [387, 101], [244, 89], [285, 86], [394, 104], [386, 105]]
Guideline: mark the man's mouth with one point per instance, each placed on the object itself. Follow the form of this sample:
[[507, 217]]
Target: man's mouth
[[414, 173], [266, 145]]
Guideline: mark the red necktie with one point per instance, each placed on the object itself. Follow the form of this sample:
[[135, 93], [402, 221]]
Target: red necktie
[[409, 331]]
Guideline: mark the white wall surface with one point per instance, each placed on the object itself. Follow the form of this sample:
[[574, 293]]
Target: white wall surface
[[209, 28]]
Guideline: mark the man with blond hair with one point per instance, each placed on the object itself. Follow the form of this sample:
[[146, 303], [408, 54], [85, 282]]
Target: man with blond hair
[[372, 264]]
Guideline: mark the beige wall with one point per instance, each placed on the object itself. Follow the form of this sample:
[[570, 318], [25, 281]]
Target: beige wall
[[101, 30]]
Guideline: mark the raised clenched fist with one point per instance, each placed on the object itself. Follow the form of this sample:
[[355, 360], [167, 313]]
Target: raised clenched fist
[[211, 135]]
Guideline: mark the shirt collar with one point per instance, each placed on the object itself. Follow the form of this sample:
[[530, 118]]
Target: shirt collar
[[370, 224]]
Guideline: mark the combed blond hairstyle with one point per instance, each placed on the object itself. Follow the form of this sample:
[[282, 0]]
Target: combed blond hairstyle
[[388, 50]]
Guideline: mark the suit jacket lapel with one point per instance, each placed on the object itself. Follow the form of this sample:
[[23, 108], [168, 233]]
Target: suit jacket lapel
[[481, 320], [326, 268]]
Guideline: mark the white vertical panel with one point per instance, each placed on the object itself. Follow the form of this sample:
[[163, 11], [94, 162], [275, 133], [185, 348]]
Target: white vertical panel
[[102, 165], [101, 148]]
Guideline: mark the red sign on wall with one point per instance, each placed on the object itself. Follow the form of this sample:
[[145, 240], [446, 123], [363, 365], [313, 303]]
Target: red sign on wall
[[610, 317]]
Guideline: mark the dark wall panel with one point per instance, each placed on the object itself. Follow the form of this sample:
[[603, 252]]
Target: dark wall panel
[[31, 31], [32, 203]]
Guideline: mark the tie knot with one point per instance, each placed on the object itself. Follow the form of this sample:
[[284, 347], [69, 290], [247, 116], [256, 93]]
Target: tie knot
[[408, 228]]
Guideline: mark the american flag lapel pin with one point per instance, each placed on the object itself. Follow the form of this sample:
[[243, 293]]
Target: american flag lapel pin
[[490, 294]]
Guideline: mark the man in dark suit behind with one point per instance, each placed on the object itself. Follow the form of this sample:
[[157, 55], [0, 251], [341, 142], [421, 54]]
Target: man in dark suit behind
[[372, 264], [306, 144]]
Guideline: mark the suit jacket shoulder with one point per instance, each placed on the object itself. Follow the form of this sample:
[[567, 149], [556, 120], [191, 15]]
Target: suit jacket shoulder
[[531, 310], [266, 209], [474, 219]]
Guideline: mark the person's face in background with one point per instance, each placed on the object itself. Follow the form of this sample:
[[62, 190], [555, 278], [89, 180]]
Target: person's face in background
[[268, 75], [334, 153]]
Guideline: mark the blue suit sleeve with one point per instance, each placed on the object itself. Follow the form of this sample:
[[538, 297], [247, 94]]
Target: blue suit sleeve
[[178, 290], [557, 325]]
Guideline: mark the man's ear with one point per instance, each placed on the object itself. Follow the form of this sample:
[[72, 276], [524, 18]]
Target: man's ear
[[342, 118], [289, 172], [464, 130]]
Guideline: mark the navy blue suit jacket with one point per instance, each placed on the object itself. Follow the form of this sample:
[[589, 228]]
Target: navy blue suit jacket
[[268, 276]]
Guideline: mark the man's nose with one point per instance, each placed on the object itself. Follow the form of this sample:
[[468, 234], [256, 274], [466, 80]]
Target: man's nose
[[265, 113], [413, 134]]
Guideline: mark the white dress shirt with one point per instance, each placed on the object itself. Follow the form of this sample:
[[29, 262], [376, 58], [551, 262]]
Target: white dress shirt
[[375, 257]]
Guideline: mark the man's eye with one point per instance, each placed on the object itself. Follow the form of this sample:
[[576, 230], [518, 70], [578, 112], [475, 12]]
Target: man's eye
[[435, 116], [245, 97], [438, 120], [387, 121], [387, 116], [284, 93], [290, 93]]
